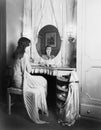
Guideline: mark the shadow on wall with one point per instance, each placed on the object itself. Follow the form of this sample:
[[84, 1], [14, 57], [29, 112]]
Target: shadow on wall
[[5, 78], [11, 50]]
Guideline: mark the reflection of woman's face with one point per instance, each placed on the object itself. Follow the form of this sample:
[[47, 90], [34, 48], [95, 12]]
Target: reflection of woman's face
[[48, 51]]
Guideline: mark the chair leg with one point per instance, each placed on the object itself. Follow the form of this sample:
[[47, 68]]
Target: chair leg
[[9, 104]]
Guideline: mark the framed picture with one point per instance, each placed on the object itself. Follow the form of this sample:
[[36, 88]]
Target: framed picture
[[50, 39]]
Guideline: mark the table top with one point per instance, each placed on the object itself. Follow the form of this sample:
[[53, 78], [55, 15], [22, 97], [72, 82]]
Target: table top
[[52, 67]]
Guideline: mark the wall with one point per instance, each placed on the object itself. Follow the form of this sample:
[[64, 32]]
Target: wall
[[89, 33], [14, 12], [2, 46]]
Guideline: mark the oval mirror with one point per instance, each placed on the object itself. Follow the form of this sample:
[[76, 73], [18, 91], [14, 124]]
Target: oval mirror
[[49, 42]]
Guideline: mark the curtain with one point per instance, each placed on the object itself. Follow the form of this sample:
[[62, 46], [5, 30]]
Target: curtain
[[59, 13], [68, 113]]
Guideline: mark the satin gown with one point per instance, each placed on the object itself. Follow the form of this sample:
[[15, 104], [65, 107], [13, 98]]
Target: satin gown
[[69, 113], [34, 89]]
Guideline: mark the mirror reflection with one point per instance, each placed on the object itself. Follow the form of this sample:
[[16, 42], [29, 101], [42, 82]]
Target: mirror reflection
[[48, 54], [49, 42]]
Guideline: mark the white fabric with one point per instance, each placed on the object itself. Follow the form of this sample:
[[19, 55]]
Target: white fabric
[[71, 108], [34, 92], [72, 104], [17, 73], [34, 89], [59, 13]]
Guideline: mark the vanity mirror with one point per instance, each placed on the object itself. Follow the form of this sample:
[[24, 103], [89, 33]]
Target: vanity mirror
[[53, 24], [49, 42]]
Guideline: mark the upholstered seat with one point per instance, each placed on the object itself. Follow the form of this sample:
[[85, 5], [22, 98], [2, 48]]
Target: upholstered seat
[[14, 91]]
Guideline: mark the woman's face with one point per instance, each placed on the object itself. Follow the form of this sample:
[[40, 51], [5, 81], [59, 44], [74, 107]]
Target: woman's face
[[48, 51]]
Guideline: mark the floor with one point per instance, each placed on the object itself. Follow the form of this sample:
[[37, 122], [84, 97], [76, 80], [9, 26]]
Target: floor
[[19, 120]]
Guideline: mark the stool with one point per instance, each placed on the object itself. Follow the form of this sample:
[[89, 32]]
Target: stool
[[10, 92]]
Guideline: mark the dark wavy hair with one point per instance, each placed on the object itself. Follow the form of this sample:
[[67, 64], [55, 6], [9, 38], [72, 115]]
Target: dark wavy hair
[[23, 42]]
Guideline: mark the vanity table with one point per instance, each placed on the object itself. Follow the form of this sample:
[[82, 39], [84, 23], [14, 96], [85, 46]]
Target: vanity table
[[50, 70], [58, 83], [58, 70]]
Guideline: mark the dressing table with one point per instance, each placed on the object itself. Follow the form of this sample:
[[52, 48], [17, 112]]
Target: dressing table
[[56, 69], [58, 81], [53, 71]]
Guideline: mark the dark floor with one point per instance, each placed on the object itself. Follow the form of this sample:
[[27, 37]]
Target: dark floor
[[19, 120]]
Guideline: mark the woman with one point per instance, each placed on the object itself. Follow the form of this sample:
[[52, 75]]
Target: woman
[[48, 53], [34, 87]]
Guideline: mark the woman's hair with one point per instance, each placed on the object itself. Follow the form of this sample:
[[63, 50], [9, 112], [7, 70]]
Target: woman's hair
[[23, 42], [47, 46]]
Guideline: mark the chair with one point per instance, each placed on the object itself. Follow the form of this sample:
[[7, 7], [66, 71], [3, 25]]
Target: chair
[[11, 90]]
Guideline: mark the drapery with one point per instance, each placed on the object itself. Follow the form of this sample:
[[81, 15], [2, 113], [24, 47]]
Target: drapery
[[69, 113], [60, 13], [34, 94]]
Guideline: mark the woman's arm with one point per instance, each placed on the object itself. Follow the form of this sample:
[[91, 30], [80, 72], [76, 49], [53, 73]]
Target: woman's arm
[[27, 62]]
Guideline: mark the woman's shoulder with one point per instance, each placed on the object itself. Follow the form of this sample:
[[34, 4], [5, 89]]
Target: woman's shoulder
[[52, 56], [25, 56], [45, 57]]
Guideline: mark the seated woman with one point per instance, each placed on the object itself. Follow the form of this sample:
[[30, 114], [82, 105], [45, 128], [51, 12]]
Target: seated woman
[[34, 87], [48, 53]]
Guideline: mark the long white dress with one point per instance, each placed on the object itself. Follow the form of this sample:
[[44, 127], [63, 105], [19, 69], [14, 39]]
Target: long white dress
[[34, 89]]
